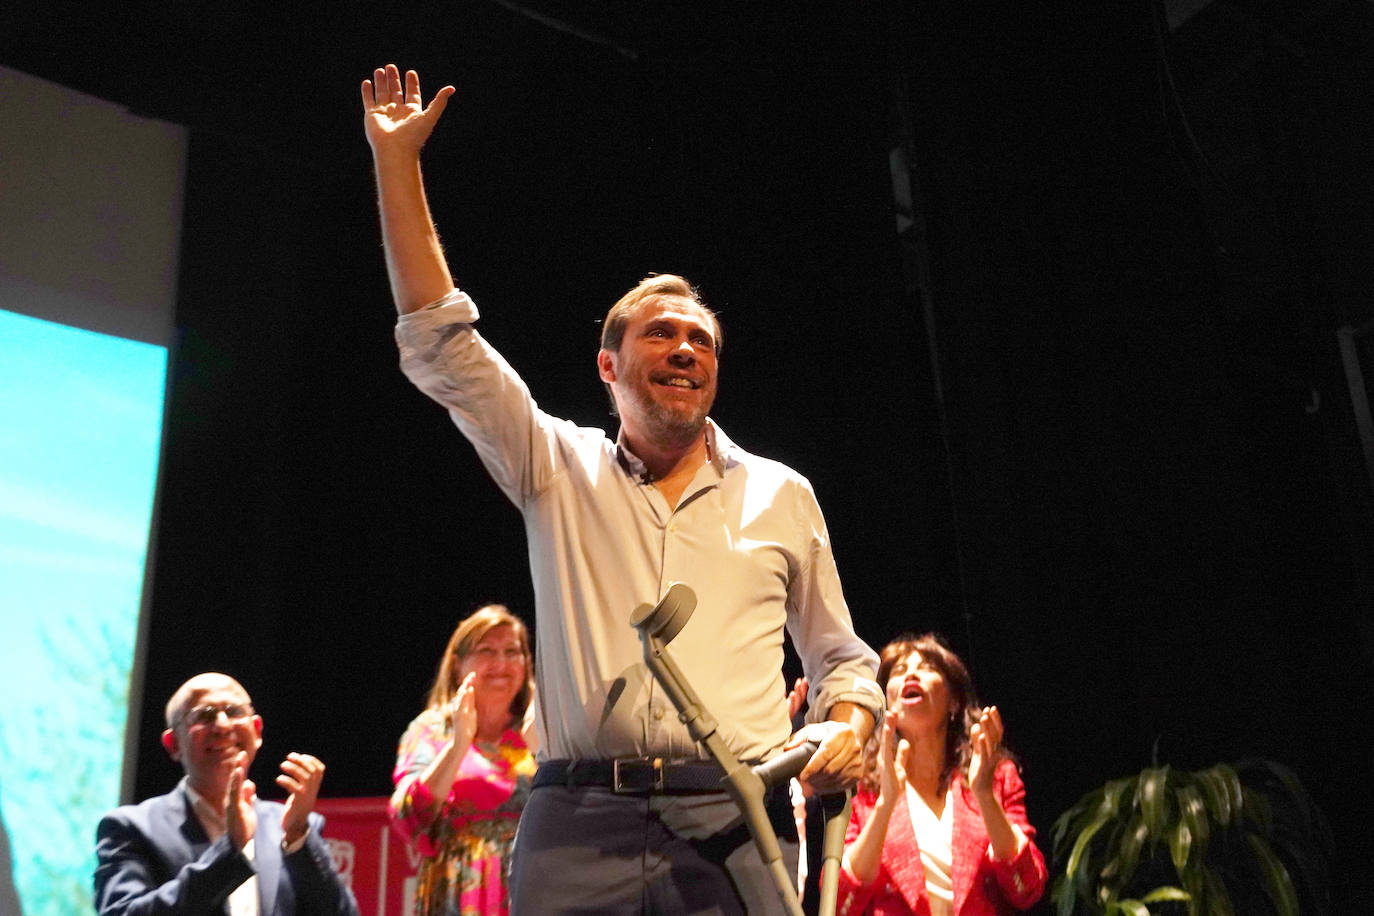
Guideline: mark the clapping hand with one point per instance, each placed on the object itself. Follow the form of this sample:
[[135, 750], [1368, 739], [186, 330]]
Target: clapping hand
[[240, 820], [893, 755], [462, 711], [985, 740], [301, 775]]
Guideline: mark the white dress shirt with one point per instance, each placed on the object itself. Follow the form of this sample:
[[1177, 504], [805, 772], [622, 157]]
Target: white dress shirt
[[243, 900], [935, 838], [747, 537]]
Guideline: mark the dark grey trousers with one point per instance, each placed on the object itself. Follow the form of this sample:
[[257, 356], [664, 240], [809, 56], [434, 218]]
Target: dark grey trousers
[[590, 851]]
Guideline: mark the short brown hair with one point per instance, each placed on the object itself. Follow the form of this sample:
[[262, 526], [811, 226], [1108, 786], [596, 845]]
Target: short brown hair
[[613, 327], [470, 631]]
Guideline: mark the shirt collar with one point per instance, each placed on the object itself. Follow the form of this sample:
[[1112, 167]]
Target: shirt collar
[[210, 819], [724, 452], [718, 445]]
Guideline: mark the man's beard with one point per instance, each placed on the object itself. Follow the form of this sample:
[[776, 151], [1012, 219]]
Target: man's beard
[[668, 426]]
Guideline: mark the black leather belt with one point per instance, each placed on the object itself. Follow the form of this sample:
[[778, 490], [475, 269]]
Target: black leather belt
[[634, 775]]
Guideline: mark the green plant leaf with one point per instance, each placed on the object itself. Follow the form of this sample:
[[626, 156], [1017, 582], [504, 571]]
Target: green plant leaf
[[1234, 787], [1298, 833], [1193, 811], [1217, 901], [1113, 792], [1180, 843], [1216, 794], [1250, 830], [1151, 798], [1071, 889], [1195, 886], [1081, 844], [1166, 893], [1088, 814], [1259, 813], [1122, 867], [1277, 883], [1065, 895], [1080, 814]]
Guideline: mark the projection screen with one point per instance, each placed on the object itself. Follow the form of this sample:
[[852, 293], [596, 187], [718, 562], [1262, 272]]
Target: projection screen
[[90, 213]]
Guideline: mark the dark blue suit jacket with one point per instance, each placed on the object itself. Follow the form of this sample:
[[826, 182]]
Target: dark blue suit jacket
[[155, 857]]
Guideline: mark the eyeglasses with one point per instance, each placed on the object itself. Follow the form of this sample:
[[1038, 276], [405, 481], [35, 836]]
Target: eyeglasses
[[208, 714]]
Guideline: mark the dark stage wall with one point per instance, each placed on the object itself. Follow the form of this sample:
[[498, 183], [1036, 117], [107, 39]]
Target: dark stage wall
[[1143, 512]]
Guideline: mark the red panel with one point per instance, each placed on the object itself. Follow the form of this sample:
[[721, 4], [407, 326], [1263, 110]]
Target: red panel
[[373, 860]]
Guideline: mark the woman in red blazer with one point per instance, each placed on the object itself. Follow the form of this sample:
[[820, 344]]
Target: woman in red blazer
[[939, 825]]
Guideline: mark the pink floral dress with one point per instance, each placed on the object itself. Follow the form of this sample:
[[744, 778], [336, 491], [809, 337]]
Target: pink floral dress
[[466, 842]]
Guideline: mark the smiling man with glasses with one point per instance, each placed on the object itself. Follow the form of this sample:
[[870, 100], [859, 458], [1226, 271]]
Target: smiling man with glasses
[[211, 845]]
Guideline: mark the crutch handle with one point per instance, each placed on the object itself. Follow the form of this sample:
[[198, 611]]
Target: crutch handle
[[784, 766]]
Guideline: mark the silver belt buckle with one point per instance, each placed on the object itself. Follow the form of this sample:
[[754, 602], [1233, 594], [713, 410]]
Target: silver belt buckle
[[656, 785]]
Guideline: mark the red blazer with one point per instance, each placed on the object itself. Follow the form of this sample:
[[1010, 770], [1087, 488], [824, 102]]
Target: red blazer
[[982, 887]]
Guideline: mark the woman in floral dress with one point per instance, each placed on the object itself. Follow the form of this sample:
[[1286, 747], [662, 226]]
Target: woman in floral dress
[[464, 765]]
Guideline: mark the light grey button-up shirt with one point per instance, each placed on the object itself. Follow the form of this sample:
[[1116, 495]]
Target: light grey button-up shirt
[[747, 537]]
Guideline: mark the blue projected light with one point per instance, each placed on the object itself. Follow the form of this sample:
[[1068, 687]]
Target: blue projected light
[[80, 430]]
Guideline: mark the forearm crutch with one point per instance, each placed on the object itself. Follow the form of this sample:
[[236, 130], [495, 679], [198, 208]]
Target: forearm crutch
[[657, 625]]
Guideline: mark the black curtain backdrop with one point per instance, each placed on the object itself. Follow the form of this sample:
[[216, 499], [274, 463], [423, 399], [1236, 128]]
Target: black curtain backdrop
[[1143, 514]]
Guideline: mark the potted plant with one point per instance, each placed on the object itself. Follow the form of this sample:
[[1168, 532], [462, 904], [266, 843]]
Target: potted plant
[[1244, 840]]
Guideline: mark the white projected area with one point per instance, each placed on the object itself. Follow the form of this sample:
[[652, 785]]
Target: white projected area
[[88, 264], [81, 415]]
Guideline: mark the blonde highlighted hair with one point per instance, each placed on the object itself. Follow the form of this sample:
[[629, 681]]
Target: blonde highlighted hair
[[470, 632]]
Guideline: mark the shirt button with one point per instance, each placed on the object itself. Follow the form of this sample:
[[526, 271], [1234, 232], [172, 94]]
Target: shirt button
[[658, 712]]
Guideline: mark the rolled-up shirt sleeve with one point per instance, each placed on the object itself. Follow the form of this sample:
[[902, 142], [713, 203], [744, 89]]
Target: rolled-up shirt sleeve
[[840, 666], [445, 357]]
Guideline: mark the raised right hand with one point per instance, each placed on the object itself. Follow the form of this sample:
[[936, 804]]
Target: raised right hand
[[393, 117], [985, 739], [462, 711], [240, 820], [891, 764]]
